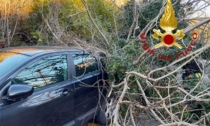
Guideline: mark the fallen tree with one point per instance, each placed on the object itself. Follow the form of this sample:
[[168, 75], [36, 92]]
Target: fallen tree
[[156, 90]]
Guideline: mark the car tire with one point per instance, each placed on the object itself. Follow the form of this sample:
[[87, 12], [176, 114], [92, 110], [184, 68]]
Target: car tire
[[105, 112]]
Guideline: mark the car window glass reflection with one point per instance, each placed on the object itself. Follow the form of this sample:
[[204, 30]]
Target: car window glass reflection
[[46, 71], [84, 64], [9, 60]]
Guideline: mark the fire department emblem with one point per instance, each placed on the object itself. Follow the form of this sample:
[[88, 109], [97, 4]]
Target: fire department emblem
[[168, 23]]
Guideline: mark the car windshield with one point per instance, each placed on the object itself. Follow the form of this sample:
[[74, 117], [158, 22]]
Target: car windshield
[[9, 61]]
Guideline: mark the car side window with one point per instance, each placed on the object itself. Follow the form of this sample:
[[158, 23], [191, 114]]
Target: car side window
[[47, 71], [84, 64]]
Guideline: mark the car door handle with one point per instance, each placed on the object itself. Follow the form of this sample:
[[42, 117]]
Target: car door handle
[[66, 92]]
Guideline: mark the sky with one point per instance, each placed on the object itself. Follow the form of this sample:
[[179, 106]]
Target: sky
[[204, 12]]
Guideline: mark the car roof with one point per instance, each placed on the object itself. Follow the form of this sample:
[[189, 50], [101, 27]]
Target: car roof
[[34, 50]]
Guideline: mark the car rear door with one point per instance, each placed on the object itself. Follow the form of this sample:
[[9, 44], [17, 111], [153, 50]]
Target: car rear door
[[85, 79], [52, 102]]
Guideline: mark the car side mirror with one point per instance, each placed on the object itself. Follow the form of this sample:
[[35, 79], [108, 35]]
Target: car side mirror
[[18, 91]]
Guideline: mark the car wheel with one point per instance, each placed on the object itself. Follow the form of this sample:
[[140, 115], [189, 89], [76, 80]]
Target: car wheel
[[105, 112]]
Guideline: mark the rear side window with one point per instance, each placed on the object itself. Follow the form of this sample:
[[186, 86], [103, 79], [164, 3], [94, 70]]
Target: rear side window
[[47, 71], [84, 64]]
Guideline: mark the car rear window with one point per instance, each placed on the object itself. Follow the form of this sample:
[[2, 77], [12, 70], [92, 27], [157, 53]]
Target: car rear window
[[9, 61], [84, 64]]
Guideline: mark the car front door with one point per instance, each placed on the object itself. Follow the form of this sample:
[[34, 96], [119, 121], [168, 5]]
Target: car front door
[[52, 102]]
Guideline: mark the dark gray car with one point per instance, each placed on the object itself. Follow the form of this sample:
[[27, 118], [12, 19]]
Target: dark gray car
[[50, 86]]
